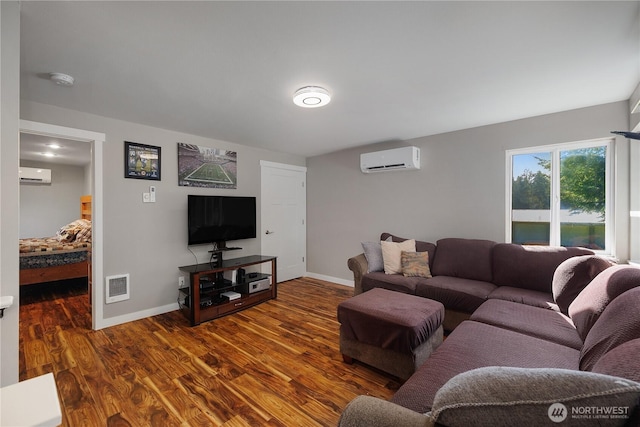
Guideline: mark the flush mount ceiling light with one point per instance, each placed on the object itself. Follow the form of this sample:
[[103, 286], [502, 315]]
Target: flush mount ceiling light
[[61, 79], [311, 97]]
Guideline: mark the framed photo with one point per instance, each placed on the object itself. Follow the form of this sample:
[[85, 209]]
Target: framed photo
[[141, 161], [206, 167]]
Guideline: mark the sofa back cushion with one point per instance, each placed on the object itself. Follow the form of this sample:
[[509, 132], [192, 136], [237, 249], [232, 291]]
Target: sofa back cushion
[[618, 324], [529, 267], [420, 245], [591, 302], [573, 275], [622, 361], [464, 258]]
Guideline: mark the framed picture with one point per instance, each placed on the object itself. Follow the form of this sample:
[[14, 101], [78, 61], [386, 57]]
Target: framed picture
[[206, 167], [141, 161]]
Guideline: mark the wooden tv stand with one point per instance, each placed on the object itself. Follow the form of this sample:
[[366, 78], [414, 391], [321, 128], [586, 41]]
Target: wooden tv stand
[[202, 300]]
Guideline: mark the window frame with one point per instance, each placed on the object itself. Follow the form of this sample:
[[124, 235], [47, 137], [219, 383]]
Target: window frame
[[554, 225]]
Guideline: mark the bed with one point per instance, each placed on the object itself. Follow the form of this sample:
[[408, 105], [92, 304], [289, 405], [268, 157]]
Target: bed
[[67, 255]]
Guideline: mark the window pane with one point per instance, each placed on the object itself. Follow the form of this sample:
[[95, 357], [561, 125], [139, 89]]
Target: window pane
[[531, 198], [582, 197]]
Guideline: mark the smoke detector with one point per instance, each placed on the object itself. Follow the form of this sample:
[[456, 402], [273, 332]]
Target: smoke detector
[[61, 79]]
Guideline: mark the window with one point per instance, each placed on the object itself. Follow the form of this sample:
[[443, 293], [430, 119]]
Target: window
[[561, 195]]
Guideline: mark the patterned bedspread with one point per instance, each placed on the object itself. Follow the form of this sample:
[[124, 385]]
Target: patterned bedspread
[[50, 251]]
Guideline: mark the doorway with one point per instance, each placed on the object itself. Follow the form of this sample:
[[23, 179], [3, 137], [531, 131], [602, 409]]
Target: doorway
[[283, 217], [95, 141]]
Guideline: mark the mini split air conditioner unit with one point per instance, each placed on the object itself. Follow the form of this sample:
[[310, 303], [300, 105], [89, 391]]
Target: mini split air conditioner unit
[[404, 158], [35, 176]]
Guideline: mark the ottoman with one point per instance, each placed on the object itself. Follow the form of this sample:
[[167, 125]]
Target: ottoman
[[391, 331]]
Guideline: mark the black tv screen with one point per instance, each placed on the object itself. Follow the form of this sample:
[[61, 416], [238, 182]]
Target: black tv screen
[[220, 218]]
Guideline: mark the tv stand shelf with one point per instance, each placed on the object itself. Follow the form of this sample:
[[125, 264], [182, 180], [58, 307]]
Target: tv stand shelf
[[202, 300]]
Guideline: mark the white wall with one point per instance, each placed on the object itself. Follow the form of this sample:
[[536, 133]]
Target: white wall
[[149, 241], [9, 194], [459, 192], [46, 208]]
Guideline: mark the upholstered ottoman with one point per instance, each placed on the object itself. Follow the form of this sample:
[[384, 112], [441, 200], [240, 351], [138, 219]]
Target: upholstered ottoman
[[391, 331]]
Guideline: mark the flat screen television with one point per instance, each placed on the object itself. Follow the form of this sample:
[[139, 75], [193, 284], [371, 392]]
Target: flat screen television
[[218, 219]]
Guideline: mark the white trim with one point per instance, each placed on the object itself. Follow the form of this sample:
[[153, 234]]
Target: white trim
[[283, 166], [131, 317], [98, 139], [336, 280]]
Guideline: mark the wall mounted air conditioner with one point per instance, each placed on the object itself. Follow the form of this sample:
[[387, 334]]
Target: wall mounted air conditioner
[[34, 175], [404, 158]]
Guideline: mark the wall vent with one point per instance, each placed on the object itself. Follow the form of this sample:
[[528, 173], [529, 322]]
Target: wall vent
[[117, 288]]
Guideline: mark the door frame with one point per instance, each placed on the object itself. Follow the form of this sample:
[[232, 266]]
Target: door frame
[[303, 169], [97, 139]]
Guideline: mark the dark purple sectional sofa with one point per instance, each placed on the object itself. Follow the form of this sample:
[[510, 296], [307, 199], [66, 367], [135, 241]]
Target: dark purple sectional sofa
[[534, 326]]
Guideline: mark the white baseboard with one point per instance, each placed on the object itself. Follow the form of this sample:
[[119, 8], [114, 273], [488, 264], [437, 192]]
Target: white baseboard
[[125, 318], [337, 280]]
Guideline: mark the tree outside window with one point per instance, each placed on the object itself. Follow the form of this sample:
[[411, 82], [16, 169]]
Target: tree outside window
[[577, 179]]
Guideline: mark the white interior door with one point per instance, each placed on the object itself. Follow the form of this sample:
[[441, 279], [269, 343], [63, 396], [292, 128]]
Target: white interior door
[[283, 217]]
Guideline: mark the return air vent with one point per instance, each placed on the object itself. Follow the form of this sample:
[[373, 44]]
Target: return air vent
[[117, 288]]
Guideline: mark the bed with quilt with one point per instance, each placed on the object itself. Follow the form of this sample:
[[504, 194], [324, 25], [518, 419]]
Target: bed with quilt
[[67, 255]]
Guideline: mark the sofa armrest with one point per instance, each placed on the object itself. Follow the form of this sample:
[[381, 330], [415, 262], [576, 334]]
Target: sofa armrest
[[359, 265], [373, 412]]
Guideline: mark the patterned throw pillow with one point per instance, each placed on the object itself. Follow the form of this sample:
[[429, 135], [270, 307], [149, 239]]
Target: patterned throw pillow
[[415, 264]]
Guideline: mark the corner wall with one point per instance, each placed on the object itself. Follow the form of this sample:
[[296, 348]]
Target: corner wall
[[9, 193], [459, 191]]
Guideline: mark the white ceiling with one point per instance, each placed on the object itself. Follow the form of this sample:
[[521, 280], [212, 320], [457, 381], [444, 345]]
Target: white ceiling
[[396, 70], [34, 147]]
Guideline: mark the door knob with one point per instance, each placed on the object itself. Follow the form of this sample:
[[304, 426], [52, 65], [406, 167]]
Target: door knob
[[269, 232]]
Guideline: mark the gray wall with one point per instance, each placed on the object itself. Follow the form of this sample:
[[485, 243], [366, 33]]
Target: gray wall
[[46, 208], [459, 191], [149, 240], [9, 194]]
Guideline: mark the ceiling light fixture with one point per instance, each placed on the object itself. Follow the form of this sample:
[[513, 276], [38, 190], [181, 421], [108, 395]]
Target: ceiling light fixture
[[54, 146], [61, 79], [311, 97], [48, 154]]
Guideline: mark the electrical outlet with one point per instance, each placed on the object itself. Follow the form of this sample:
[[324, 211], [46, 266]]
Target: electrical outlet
[[180, 282]]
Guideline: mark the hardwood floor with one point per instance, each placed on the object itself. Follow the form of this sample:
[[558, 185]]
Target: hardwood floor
[[276, 364]]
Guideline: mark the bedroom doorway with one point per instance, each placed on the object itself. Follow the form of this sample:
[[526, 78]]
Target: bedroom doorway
[[83, 147]]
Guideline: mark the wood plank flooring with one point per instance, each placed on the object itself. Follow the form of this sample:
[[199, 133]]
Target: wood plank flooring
[[276, 364]]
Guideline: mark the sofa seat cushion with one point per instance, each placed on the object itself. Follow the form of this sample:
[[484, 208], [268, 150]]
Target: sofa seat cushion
[[475, 345], [465, 258], [455, 293], [537, 322], [525, 296], [392, 282], [389, 320], [529, 267]]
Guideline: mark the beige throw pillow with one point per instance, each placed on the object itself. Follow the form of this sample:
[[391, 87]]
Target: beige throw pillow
[[391, 254]]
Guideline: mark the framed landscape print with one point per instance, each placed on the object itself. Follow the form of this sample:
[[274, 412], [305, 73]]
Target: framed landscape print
[[206, 167], [141, 161]]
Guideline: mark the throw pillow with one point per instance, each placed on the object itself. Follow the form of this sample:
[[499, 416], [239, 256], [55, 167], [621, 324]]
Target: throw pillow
[[415, 264], [68, 233], [373, 254], [500, 396], [391, 254]]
